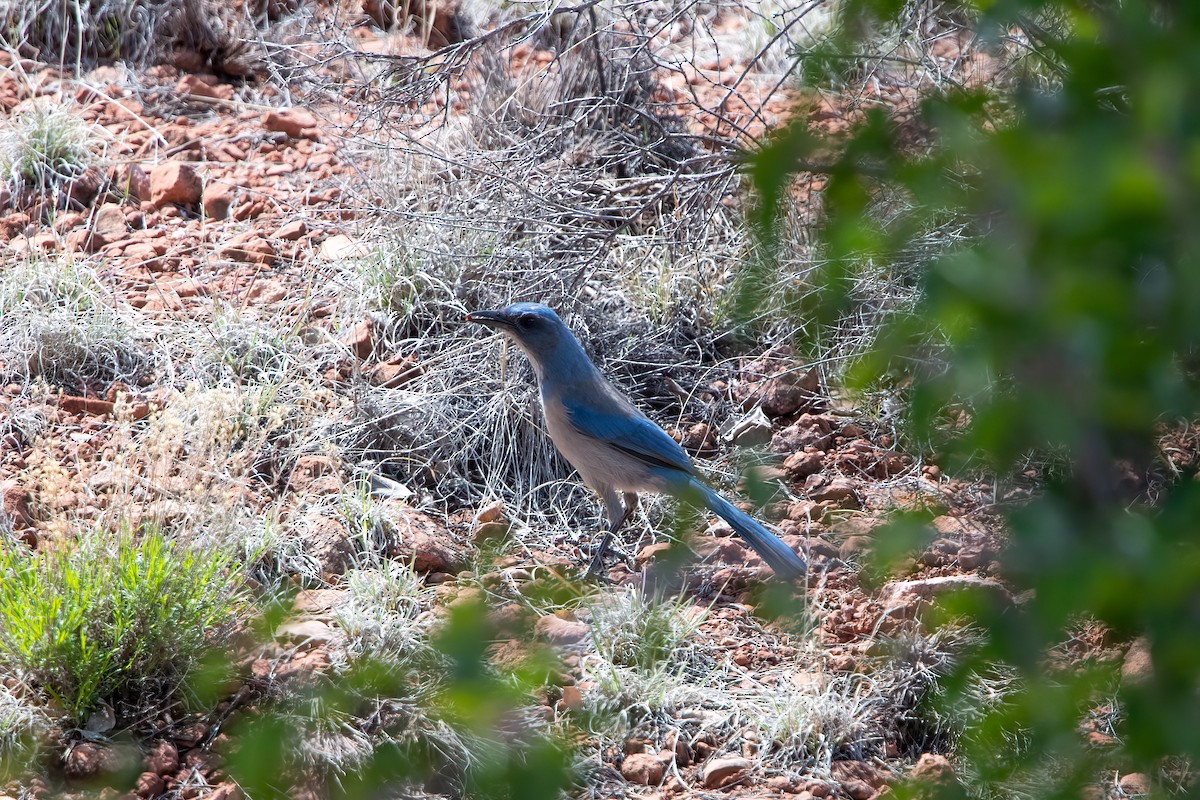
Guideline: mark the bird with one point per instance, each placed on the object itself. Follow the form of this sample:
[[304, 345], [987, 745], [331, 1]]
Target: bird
[[617, 450]]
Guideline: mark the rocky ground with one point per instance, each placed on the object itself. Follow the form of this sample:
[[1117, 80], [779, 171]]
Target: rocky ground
[[218, 200]]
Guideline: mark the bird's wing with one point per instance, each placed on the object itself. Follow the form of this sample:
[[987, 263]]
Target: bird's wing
[[622, 426]]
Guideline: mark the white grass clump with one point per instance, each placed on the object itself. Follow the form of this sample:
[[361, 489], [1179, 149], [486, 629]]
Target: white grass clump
[[44, 144], [59, 323]]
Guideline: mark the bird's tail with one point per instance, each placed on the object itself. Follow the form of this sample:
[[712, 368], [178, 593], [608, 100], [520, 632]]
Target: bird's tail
[[778, 555]]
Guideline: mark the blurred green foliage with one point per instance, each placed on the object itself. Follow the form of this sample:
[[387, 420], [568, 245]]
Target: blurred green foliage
[[119, 619], [1064, 327]]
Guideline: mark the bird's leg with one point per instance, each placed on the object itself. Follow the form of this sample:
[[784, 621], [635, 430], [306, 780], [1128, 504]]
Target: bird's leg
[[616, 520]]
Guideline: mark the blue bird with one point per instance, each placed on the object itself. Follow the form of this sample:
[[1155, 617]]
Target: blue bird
[[617, 450]]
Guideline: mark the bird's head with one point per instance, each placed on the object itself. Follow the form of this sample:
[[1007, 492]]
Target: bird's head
[[534, 327]]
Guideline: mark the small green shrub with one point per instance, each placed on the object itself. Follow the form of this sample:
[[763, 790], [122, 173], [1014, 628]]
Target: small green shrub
[[119, 619]]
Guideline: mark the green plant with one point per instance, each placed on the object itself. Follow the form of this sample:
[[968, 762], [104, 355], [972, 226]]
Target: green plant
[[1066, 320], [121, 619]]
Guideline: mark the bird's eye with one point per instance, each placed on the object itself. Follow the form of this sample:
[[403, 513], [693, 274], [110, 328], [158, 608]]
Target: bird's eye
[[526, 321]]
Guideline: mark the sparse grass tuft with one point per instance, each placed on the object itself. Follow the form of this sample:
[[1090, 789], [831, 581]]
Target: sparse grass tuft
[[382, 614], [58, 322], [119, 619], [23, 729], [632, 630], [814, 723], [46, 145]]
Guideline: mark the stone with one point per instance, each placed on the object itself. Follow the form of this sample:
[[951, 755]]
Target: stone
[[250, 247], [643, 769], [786, 394], [341, 246], [291, 231], [572, 699], [421, 542], [162, 758], [311, 601], [325, 540], [108, 226], [265, 291], [802, 464], [149, 784], [218, 199], [310, 632], [721, 772], [933, 768], [859, 779], [206, 86], [1135, 784], [88, 760], [751, 430], [1138, 667], [133, 181], [838, 490], [225, 791], [174, 182], [361, 339], [807, 432], [17, 503], [95, 406], [559, 631], [898, 594], [309, 469], [392, 375], [85, 188], [295, 122]]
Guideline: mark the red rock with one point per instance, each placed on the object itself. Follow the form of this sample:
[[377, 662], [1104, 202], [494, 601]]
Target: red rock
[[1138, 666], [174, 182], [307, 632], [391, 376], [87, 760], [291, 231], [250, 247], [839, 490], [933, 768], [572, 699], [70, 404], [204, 86], [859, 779], [721, 772], [421, 542], [1135, 784], [225, 791], [144, 254], [801, 465], [84, 189], [218, 200], [559, 631], [108, 226], [17, 503], [149, 784], [134, 182], [643, 769], [361, 339], [309, 469], [295, 122], [265, 291]]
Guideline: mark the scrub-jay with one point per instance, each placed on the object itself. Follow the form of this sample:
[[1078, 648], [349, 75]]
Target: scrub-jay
[[613, 445]]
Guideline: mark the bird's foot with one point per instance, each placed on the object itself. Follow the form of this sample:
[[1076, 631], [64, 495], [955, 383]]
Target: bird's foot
[[596, 569]]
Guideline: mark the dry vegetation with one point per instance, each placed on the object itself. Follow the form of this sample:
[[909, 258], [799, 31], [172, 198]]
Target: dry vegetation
[[321, 421]]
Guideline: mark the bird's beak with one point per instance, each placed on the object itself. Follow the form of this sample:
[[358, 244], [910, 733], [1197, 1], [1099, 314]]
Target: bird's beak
[[493, 319]]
